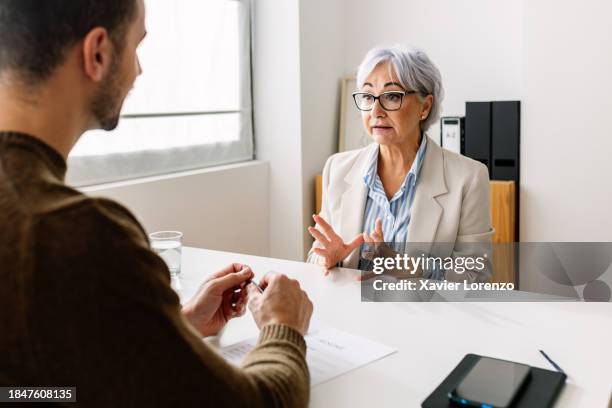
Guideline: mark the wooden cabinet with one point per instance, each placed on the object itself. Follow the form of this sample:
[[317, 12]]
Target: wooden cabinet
[[503, 219], [503, 210]]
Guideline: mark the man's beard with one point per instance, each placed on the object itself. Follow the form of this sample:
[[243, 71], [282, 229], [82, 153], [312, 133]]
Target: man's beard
[[107, 103]]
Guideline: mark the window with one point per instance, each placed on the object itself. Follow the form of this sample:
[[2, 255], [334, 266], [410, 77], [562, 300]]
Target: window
[[191, 108]]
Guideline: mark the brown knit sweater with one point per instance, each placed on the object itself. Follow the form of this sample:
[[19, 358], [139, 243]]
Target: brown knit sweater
[[85, 302]]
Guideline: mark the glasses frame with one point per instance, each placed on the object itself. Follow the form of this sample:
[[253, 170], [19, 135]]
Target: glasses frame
[[377, 98]]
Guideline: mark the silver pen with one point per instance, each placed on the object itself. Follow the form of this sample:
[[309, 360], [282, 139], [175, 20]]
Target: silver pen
[[256, 285], [559, 369]]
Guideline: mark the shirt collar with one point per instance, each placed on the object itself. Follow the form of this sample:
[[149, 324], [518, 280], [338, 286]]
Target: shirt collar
[[371, 173]]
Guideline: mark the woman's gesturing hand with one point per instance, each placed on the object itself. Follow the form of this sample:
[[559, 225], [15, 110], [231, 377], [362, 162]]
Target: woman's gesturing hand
[[376, 237], [334, 249], [375, 244]]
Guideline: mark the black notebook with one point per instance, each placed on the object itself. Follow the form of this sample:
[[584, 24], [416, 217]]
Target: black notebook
[[540, 391]]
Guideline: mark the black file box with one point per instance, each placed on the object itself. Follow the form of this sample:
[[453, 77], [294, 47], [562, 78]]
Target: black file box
[[478, 132], [505, 144]]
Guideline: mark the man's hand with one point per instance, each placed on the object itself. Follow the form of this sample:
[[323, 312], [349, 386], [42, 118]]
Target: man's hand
[[334, 248], [282, 302], [221, 297]]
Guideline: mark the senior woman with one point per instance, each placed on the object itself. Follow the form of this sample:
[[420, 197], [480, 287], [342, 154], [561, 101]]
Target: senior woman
[[403, 188]]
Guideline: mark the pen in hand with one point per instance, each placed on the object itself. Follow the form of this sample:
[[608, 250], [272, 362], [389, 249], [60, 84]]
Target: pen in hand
[[251, 281]]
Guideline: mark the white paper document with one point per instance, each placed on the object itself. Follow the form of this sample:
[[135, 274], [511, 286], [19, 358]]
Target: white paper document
[[330, 353]]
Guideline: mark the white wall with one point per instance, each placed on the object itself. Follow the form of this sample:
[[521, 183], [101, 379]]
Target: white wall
[[322, 23], [566, 193], [298, 56], [224, 208], [277, 107]]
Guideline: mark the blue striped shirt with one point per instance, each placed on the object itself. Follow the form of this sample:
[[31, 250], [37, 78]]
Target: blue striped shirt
[[394, 213]]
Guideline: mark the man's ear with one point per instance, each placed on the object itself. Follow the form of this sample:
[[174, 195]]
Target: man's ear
[[97, 54]]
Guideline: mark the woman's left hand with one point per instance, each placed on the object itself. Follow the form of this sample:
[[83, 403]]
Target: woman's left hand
[[376, 237], [375, 243], [378, 248]]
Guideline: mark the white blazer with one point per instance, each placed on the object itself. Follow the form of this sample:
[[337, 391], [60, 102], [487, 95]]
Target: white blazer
[[451, 203]]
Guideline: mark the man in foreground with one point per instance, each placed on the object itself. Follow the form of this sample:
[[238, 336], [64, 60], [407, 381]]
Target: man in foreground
[[83, 300]]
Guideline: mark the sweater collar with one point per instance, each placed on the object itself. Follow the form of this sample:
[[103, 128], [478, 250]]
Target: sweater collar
[[52, 158]]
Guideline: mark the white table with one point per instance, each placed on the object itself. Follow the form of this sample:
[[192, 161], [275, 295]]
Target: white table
[[432, 337]]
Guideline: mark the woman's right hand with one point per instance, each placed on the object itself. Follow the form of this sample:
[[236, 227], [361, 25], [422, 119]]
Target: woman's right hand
[[334, 249]]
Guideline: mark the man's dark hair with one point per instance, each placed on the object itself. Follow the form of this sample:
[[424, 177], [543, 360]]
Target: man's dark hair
[[35, 34]]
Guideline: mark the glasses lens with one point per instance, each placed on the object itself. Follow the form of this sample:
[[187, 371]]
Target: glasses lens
[[364, 101], [391, 100]]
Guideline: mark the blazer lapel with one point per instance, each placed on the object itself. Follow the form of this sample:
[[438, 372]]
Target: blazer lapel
[[426, 210], [353, 203]]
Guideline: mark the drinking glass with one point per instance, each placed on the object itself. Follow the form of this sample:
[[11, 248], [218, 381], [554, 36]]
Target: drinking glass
[[168, 245]]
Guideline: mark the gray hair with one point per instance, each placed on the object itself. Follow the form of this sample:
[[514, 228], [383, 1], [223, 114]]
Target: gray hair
[[414, 70]]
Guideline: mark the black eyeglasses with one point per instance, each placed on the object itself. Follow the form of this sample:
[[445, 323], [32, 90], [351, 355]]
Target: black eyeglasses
[[389, 101]]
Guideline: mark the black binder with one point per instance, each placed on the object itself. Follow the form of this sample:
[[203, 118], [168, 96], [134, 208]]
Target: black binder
[[505, 140], [540, 391], [478, 132]]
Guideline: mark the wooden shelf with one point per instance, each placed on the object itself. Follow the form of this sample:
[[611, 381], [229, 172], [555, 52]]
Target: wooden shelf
[[503, 210], [503, 219]]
